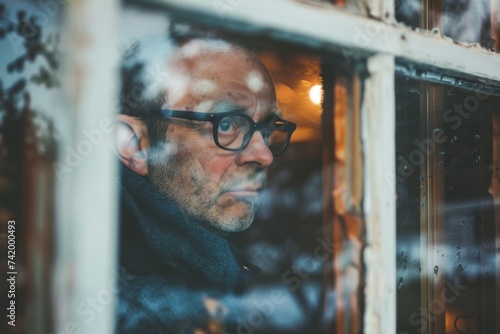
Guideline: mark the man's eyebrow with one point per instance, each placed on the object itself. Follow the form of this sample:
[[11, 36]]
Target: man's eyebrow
[[231, 107], [225, 106], [273, 112]]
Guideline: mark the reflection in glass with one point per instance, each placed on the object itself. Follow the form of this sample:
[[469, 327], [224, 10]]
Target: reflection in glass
[[29, 45], [445, 209], [288, 225], [462, 20]]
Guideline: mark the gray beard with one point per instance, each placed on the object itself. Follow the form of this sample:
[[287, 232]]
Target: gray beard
[[162, 173]]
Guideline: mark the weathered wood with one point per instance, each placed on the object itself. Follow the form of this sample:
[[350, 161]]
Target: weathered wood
[[494, 190], [87, 193], [37, 223], [328, 175], [328, 27], [348, 226], [495, 23], [342, 195], [378, 122]]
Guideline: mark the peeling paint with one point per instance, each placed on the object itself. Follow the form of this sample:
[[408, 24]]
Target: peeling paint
[[356, 41]]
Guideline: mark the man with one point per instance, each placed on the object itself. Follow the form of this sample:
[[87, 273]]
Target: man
[[199, 127]]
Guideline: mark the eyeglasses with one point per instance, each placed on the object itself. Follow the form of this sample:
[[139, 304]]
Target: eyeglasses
[[233, 130]]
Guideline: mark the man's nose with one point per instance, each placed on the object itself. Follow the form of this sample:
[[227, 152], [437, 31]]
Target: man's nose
[[256, 152]]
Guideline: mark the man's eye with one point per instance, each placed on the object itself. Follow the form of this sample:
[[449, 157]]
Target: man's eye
[[225, 126]]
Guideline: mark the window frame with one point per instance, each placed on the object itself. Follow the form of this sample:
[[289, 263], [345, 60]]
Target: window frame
[[382, 42]]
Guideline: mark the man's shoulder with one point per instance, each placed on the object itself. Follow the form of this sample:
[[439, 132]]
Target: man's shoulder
[[159, 304]]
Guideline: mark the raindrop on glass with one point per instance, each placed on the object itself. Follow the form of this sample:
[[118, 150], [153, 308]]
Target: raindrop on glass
[[436, 270], [460, 268]]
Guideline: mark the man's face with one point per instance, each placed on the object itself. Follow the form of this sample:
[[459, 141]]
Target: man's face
[[222, 188]]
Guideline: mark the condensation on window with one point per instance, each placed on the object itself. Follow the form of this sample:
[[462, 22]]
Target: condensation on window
[[448, 220]]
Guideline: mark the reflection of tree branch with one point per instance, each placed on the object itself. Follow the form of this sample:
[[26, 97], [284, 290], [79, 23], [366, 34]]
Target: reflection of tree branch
[[15, 99], [45, 77], [11, 23], [28, 29], [31, 32]]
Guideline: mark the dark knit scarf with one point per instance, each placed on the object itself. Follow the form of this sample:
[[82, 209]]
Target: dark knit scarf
[[174, 258]]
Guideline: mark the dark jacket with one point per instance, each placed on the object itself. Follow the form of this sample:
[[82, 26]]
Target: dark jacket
[[177, 266]]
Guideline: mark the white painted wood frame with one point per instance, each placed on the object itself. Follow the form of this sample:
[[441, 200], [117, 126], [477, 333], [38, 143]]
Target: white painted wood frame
[[84, 291], [325, 26], [379, 149]]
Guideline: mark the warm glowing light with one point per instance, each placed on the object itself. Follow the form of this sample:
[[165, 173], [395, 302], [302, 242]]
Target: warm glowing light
[[315, 94], [284, 93]]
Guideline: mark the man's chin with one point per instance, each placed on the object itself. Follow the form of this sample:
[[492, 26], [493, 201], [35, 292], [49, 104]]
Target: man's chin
[[234, 218]]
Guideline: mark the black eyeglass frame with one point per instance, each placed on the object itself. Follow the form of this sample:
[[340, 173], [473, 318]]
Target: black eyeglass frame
[[215, 118]]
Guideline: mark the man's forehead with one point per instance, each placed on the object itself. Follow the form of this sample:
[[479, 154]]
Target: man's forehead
[[196, 47], [228, 106], [206, 75], [253, 80], [200, 50], [213, 61]]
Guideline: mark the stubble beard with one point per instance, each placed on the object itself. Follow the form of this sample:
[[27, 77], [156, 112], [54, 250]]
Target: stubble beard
[[191, 194]]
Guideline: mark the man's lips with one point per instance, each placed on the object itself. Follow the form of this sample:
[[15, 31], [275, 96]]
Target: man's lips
[[242, 191]]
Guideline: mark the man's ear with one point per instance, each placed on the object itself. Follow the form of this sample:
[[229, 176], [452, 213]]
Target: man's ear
[[132, 143]]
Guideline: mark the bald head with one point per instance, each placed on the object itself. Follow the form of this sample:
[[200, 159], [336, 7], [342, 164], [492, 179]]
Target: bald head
[[180, 157], [159, 70], [200, 70]]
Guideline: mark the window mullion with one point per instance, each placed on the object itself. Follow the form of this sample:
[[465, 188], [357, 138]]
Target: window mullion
[[378, 133], [86, 191]]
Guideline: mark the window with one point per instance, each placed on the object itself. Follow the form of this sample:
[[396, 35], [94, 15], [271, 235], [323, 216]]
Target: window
[[446, 220], [383, 216]]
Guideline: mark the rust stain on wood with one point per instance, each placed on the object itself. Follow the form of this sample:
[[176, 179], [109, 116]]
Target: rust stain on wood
[[348, 228], [494, 190]]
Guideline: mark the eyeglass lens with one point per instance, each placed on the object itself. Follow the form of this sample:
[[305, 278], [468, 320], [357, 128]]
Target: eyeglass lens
[[233, 133]]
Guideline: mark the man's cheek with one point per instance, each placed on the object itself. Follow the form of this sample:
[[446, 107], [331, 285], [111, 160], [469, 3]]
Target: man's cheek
[[217, 169]]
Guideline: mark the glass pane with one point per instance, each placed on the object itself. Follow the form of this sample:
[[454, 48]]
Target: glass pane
[[285, 233], [290, 239], [447, 209], [472, 21], [29, 95]]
